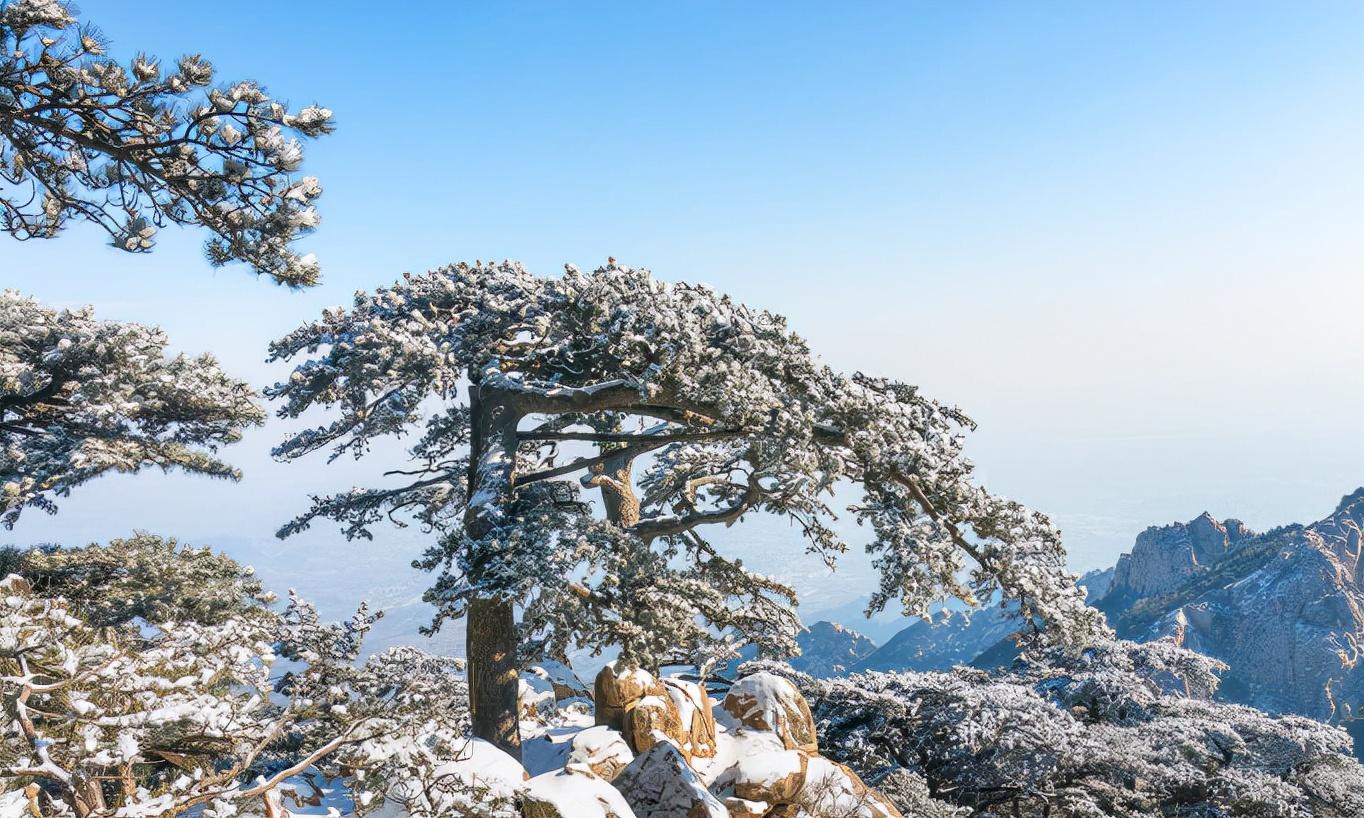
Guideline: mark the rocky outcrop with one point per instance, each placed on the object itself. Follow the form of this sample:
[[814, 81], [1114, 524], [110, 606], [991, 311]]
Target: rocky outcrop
[[660, 784], [653, 719], [767, 702], [696, 717], [1287, 616], [757, 756], [1166, 557], [616, 689], [646, 710], [573, 792], [1284, 610], [793, 782]]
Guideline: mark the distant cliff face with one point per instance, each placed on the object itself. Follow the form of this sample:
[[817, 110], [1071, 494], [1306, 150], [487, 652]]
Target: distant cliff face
[[923, 646], [1166, 557], [827, 649], [1285, 610]]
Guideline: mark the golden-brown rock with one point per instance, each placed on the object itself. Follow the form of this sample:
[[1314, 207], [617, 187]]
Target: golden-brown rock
[[765, 701]]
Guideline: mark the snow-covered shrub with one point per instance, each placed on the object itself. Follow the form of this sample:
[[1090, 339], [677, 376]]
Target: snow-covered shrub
[[1121, 729], [149, 706]]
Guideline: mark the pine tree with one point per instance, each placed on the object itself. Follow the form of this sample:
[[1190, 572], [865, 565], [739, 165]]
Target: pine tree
[[133, 148], [81, 397], [146, 678], [496, 369]]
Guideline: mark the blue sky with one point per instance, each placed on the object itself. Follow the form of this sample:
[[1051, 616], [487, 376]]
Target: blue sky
[[1127, 238]]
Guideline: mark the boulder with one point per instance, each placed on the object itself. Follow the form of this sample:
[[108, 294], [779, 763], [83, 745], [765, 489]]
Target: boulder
[[765, 701], [573, 792], [739, 808], [535, 697], [604, 751], [771, 778], [653, 719], [617, 688], [565, 683], [660, 784], [697, 719], [832, 789], [795, 783]]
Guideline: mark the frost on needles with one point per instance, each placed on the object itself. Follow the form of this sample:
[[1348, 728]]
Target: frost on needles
[[497, 372], [80, 397], [131, 147]]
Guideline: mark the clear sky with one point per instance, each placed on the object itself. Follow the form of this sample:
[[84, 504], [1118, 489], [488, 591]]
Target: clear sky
[[1127, 238]]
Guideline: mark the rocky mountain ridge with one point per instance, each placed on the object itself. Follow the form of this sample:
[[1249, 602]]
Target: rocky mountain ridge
[[1283, 609]]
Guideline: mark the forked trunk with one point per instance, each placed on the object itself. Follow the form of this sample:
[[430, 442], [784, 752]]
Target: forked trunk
[[490, 645]]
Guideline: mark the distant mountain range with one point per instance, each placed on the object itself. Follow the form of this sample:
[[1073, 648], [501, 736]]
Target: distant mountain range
[[1284, 609]]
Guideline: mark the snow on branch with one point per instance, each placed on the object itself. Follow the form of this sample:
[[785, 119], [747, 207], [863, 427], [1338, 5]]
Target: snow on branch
[[745, 420], [81, 397], [134, 147]]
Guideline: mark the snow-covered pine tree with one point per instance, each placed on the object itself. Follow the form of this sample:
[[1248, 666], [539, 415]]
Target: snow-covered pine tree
[[81, 397], [737, 416], [146, 678], [132, 148]]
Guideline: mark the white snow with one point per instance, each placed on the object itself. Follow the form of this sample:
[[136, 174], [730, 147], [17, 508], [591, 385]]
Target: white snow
[[575, 792]]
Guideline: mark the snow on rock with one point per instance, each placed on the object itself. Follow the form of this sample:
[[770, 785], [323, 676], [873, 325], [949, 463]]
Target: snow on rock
[[567, 685], [535, 696], [616, 689], [679, 757], [832, 789], [765, 701], [734, 742], [660, 784], [653, 719], [484, 765], [547, 743], [773, 777], [694, 709], [602, 750], [573, 792], [14, 804]]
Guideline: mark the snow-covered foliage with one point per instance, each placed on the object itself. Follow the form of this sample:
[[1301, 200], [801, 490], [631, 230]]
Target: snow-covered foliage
[[1120, 729], [133, 147], [81, 397], [735, 414], [147, 577], [118, 705]]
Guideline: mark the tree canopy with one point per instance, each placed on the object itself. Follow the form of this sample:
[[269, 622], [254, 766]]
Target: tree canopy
[[131, 148], [81, 397], [736, 415]]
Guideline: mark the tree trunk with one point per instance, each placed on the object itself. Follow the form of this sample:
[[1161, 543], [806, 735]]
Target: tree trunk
[[490, 634], [490, 645], [615, 478]]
